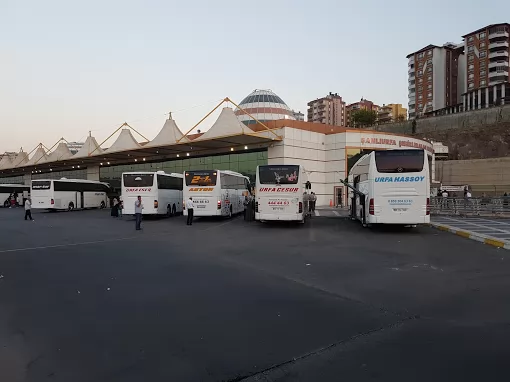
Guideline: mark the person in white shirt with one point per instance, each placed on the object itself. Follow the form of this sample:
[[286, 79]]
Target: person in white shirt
[[28, 209], [138, 212], [190, 206]]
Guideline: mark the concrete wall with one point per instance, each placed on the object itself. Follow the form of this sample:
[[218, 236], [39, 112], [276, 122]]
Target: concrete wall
[[483, 175]]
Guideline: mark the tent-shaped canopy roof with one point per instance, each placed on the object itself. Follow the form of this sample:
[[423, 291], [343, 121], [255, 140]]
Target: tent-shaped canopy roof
[[21, 159], [38, 157], [124, 142], [6, 161], [89, 147], [62, 152], [169, 135], [227, 124]]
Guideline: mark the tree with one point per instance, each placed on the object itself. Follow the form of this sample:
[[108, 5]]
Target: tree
[[364, 118], [401, 118]]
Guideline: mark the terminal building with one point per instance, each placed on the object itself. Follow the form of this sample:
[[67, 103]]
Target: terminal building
[[327, 152]]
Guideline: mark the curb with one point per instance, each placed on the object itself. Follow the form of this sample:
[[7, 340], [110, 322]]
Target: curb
[[473, 236]]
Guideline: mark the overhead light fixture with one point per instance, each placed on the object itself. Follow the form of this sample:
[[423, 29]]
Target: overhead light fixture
[[73, 166], [51, 169], [78, 166], [101, 163], [144, 159], [187, 154], [231, 149], [107, 162], [178, 155], [136, 160], [246, 147]]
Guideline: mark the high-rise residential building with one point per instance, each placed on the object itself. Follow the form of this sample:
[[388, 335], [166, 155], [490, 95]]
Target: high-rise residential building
[[298, 115], [486, 80], [363, 104], [329, 110], [435, 78], [392, 112]]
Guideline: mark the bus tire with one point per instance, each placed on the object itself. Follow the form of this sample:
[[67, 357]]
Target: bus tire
[[6, 204], [70, 207], [174, 210], [102, 206]]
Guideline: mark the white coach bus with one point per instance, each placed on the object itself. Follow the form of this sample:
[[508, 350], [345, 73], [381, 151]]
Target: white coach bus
[[394, 188], [216, 192], [282, 193], [6, 190], [69, 194], [161, 192]]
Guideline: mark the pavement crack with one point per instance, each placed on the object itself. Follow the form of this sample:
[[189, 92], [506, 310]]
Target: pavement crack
[[34, 361], [315, 352]]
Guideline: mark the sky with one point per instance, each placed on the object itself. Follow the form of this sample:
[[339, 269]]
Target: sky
[[67, 67]]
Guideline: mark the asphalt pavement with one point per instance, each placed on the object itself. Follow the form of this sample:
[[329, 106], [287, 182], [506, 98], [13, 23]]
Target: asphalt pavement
[[85, 297]]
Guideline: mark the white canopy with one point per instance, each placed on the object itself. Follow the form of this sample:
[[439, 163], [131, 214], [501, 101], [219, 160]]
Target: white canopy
[[227, 124], [169, 135], [124, 142], [62, 152], [38, 157], [89, 147], [21, 159], [6, 161]]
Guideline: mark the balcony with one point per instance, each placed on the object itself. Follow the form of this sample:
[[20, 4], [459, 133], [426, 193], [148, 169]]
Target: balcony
[[498, 44], [498, 63], [498, 34], [498, 73], [410, 70], [499, 54]]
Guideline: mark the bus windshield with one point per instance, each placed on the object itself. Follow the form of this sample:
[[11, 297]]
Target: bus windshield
[[278, 174], [201, 178], [41, 185], [399, 161], [138, 180]]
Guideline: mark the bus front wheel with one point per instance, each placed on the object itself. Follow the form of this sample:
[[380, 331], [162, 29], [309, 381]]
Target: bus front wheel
[[102, 206], [70, 207]]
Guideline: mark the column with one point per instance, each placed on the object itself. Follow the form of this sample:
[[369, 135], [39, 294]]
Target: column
[[93, 173], [479, 100], [433, 169], [27, 179], [503, 88], [464, 103], [470, 101], [495, 92], [487, 97]]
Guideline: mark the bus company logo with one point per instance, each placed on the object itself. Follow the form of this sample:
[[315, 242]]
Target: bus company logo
[[201, 189], [138, 189], [415, 145], [400, 202], [200, 179], [278, 202], [278, 189], [386, 179], [378, 141]]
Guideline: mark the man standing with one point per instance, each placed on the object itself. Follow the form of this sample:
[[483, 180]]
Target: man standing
[[138, 212], [189, 207], [28, 209]]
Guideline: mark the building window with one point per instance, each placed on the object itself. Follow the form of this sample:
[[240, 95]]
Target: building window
[[470, 39], [429, 78], [481, 35], [429, 69], [482, 44], [483, 73], [420, 89], [420, 105], [429, 53], [420, 80], [483, 83], [471, 67], [429, 103], [420, 72], [471, 57], [429, 87], [482, 64], [429, 95], [429, 61], [471, 76], [420, 55], [471, 85], [483, 53], [420, 97], [471, 48]]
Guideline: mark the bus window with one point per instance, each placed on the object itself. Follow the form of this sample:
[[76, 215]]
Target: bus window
[[201, 178], [278, 174], [41, 184], [399, 161], [138, 180]]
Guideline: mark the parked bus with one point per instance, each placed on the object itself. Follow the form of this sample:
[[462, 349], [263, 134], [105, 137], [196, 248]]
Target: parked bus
[[282, 193], [69, 194], [394, 188], [216, 192], [161, 192], [6, 190]]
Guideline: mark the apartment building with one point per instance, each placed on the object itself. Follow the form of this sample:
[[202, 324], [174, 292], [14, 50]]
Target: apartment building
[[329, 110], [486, 80], [298, 115], [433, 76], [392, 112], [363, 104]]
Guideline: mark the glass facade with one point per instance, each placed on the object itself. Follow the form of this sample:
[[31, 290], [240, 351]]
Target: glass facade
[[12, 180], [73, 174], [244, 163], [353, 155]]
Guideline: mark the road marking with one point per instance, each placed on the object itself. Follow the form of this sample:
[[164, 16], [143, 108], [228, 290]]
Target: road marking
[[67, 245], [317, 213], [336, 213]]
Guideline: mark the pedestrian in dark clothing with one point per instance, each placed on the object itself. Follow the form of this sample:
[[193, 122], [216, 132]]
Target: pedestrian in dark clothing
[[138, 213], [190, 207]]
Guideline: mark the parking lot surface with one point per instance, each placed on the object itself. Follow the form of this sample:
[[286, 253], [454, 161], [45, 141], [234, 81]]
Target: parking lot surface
[[85, 297]]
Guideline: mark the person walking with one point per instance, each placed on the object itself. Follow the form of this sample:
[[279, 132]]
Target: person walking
[[314, 200], [190, 206], [115, 208], [28, 209], [138, 212], [120, 207]]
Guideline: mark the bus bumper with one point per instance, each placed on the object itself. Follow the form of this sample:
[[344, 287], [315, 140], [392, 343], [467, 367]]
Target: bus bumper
[[275, 217]]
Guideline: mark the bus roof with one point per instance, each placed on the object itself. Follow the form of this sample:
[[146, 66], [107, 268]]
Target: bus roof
[[13, 185], [222, 172], [71, 181], [174, 174]]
